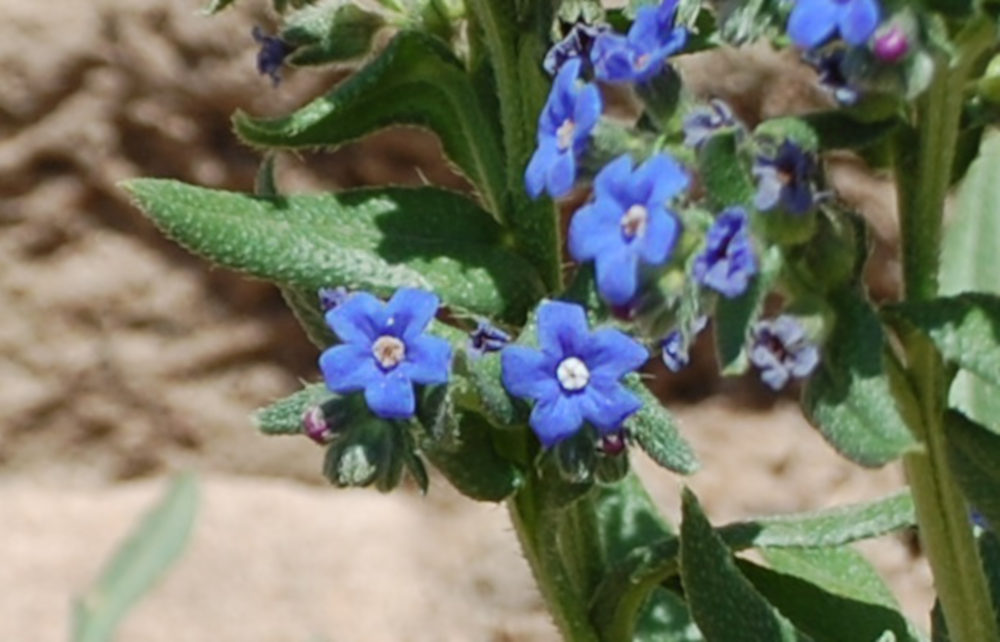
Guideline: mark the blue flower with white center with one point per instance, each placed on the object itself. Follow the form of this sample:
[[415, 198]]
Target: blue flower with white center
[[576, 45], [782, 350], [784, 180], [575, 376], [812, 22], [385, 350], [703, 122], [628, 223], [564, 127], [641, 54], [727, 262]]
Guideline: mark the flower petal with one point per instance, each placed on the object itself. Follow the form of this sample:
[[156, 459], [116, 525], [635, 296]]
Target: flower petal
[[612, 353], [612, 182], [561, 174], [562, 328], [360, 319], [529, 373], [428, 359], [555, 418], [587, 110], [391, 396], [661, 236], [593, 229], [617, 275], [538, 167], [858, 21], [348, 367], [665, 176], [606, 407], [812, 22], [409, 311]]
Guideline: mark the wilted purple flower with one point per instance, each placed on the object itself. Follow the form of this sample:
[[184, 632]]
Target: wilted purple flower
[[812, 22], [640, 55], [785, 179], [727, 262], [704, 121], [576, 44], [829, 65], [272, 54], [330, 298], [316, 426], [487, 338], [674, 350], [781, 350]]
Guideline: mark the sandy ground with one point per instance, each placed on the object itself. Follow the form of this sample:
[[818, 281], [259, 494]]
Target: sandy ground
[[123, 359]]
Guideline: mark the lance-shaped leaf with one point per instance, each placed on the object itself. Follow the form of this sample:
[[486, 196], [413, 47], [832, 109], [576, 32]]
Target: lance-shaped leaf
[[416, 80], [655, 430], [472, 464], [284, 417], [330, 31], [725, 605], [724, 170], [848, 398], [376, 240]]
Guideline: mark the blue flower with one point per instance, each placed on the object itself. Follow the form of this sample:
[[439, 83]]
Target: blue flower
[[385, 351], [272, 54], [575, 376], [564, 126], [829, 65], [628, 223], [487, 338], [640, 55], [727, 262], [785, 179], [812, 22], [576, 45], [704, 121], [782, 350], [674, 347]]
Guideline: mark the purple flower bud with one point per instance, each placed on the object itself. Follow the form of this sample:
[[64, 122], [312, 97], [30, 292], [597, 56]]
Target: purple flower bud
[[781, 350], [316, 427], [613, 443], [891, 45], [727, 262], [272, 54], [487, 338], [330, 298]]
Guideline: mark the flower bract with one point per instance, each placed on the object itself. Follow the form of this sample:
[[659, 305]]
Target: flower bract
[[782, 350], [575, 375], [784, 180], [639, 55], [727, 262], [812, 22], [385, 350], [628, 223], [564, 126]]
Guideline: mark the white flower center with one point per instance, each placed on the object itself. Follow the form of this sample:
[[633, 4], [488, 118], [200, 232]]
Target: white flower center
[[634, 221], [388, 351], [572, 374], [564, 135]]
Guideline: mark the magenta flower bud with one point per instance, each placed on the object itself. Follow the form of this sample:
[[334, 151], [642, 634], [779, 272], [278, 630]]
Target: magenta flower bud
[[891, 45], [613, 443], [314, 422]]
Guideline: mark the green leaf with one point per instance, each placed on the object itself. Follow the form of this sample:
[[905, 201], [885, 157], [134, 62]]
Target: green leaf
[[968, 256], [215, 6], [964, 328], [666, 618], [471, 463], [416, 80], [285, 417], [836, 129], [330, 32], [724, 603], [304, 304], [734, 318], [140, 561], [831, 594], [655, 430], [376, 240], [848, 399], [974, 453], [989, 554], [724, 171]]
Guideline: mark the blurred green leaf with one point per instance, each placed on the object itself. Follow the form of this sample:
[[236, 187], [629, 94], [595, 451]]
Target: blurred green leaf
[[139, 562], [975, 460], [416, 80], [665, 618], [848, 399], [329, 32], [836, 129], [376, 240], [655, 430]]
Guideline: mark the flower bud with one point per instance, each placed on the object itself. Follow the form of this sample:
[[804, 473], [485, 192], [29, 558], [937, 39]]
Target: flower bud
[[891, 44]]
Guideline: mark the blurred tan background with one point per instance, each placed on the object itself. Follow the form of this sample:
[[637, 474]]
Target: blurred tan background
[[123, 359]]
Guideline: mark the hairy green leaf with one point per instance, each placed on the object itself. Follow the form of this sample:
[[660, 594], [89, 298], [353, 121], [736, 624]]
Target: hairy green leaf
[[416, 80], [376, 240], [724, 170], [329, 32], [974, 453], [139, 562], [284, 417], [471, 463], [848, 399], [654, 429], [665, 618]]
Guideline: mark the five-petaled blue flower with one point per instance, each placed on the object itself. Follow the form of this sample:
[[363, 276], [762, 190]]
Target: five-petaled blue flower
[[385, 351], [628, 223], [781, 350], [785, 179], [812, 22], [575, 375], [727, 262], [564, 126], [640, 55]]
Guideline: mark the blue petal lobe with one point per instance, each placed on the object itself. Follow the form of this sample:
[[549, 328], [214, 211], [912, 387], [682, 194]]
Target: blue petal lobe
[[617, 275], [391, 396], [348, 367], [606, 407], [561, 174], [538, 167], [428, 359], [858, 21], [812, 22], [555, 418], [611, 353], [661, 236], [666, 176], [587, 110], [409, 311], [562, 328], [358, 320], [591, 231], [526, 372]]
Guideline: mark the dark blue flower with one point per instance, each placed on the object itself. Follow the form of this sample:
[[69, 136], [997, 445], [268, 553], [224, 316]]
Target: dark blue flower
[[675, 346], [829, 65], [575, 375], [812, 22], [385, 351], [330, 298], [781, 350], [727, 262], [704, 121], [487, 338], [628, 223], [576, 45], [640, 55], [784, 180], [564, 126], [272, 54]]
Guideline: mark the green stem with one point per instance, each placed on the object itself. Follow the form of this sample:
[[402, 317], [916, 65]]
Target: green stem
[[924, 165], [538, 534]]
